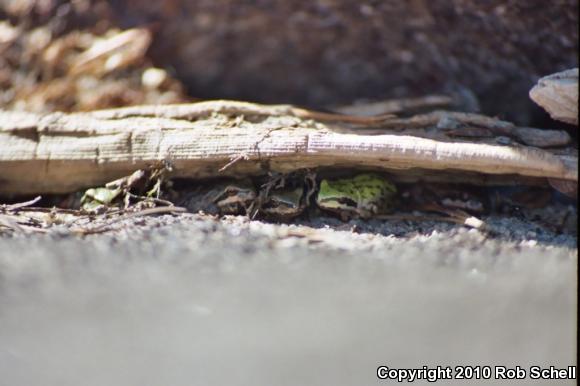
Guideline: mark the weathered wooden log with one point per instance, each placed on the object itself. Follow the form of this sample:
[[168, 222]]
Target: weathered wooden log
[[558, 95], [59, 153]]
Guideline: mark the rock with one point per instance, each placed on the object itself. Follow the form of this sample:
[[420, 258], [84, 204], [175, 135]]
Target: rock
[[558, 95], [326, 53]]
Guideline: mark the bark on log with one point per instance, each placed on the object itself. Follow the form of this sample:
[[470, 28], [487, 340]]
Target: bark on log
[[58, 153], [558, 95]]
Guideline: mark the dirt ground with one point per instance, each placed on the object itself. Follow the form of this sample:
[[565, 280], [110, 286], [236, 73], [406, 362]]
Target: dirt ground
[[190, 299]]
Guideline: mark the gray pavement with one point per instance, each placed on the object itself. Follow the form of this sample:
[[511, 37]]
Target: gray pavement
[[194, 301]]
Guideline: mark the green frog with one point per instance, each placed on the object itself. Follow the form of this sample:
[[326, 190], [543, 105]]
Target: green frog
[[362, 196], [95, 199], [284, 198]]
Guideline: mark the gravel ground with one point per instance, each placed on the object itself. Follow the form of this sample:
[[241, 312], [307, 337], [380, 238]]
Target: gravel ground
[[191, 300]]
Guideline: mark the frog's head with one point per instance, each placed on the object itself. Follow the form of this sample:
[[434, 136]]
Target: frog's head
[[284, 203], [361, 196], [236, 197], [337, 195]]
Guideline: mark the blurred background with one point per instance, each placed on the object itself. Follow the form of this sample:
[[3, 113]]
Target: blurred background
[[72, 55]]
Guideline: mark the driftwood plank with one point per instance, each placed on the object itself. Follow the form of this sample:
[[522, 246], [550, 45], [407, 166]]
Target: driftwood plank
[[65, 152], [558, 95]]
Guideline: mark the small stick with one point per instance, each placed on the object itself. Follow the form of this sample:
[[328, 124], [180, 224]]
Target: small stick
[[153, 199], [398, 106], [20, 205], [233, 161]]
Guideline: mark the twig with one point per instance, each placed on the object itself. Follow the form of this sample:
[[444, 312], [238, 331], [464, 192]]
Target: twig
[[233, 161], [151, 199], [20, 205], [398, 106]]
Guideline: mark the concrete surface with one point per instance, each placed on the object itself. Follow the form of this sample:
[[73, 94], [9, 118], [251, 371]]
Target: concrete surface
[[194, 301]]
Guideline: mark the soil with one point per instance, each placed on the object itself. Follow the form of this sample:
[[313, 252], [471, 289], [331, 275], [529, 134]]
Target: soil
[[257, 303]]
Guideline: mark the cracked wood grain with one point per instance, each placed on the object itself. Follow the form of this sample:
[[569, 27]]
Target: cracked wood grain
[[558, 95], [59, 152]]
